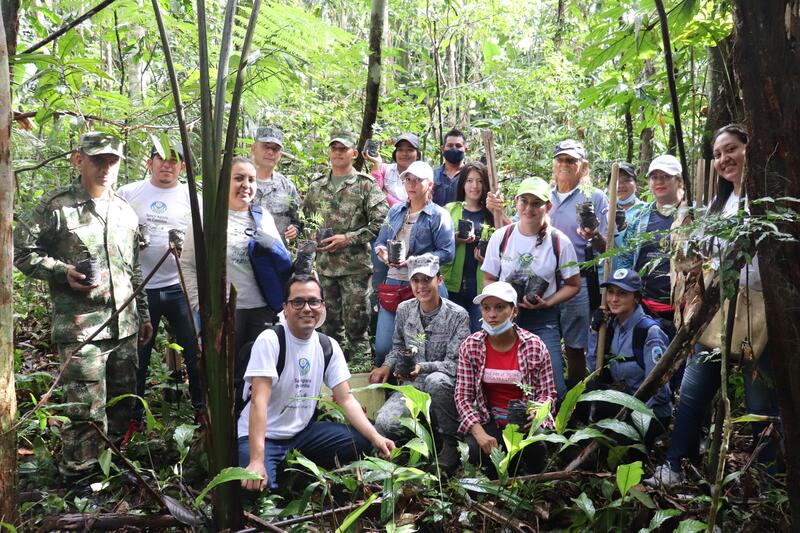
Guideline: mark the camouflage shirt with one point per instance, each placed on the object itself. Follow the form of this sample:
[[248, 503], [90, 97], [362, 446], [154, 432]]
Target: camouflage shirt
[[356, 208], [62, 230], [279, 196]]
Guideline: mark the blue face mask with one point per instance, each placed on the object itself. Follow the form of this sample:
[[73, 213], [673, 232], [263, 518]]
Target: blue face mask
[[502, 328], [454, 155], [628, 201]]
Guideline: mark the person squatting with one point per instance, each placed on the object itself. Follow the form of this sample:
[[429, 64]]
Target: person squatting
[[473, 301]]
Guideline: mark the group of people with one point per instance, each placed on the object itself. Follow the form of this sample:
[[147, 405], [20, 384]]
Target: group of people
[[474, 302]]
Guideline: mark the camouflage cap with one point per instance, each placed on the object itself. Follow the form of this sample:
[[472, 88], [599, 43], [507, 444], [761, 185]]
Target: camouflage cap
[[269, 134], [96, 143], [427, 264], [345, 137]]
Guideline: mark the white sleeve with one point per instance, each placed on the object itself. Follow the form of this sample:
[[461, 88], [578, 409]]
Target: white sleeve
[[491, 262], [566, 256], [264, 357], [337, 371]]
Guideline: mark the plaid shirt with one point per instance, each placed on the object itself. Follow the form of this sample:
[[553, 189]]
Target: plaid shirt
[[534, 364]]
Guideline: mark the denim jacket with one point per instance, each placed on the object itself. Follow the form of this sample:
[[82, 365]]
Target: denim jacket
[[432, 233]]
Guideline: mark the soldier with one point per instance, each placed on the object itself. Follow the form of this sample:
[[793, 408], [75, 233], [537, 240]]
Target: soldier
[[162, 205], [83, 240], [353, 206], [276, 193]]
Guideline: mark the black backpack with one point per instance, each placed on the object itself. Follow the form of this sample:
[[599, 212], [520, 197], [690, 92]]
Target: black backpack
[[243, 359], [639, 339]]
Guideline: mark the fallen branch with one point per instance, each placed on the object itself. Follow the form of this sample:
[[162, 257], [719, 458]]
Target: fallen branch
[[107, 522], [318, 516], [505, 521], [263, 524], [556, 476]]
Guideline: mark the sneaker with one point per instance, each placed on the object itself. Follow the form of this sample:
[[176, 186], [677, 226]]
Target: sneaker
[[134, 426], [448, 456], [665, 476]]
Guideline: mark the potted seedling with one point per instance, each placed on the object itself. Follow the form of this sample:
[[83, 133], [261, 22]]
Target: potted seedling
[[406, 362], [536, 286], [586, 217], [518, 412], [144, 236], [91, 268], [304, 260], [396, 251], [483, 244], [466, 229]]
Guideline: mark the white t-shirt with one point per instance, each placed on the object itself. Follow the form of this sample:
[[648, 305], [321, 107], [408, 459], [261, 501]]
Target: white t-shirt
[[302, 377], [754, 274], [161, 210], [393, 184], [241, 229], [522, 255]]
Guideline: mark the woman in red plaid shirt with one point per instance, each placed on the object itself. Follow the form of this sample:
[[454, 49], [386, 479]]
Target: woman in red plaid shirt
[[492, 365]]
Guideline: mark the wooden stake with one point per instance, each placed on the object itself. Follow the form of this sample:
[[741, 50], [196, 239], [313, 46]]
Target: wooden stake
[[700, 182], [488, 145], [612, 226]]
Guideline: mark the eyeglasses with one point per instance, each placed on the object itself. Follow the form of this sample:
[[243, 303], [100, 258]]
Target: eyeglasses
[[299, 303], [660, 176], [533, 204]]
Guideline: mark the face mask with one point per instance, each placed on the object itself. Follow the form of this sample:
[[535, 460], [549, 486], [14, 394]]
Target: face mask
[[454, 155], [628, 201], [502, 328]]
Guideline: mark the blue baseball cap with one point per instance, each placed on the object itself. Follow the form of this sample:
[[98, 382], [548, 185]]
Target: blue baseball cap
[[627, 280]]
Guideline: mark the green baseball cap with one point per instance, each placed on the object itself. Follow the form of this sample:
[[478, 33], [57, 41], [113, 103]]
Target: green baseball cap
[[345, 137], [535, 186], [97, 143]]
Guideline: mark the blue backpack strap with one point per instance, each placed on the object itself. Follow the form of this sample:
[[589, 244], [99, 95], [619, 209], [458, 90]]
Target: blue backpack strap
[[639, 339], [255, 210]]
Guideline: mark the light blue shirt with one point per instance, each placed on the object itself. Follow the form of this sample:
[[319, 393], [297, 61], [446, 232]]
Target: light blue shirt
[[629, 372], [564, 217]]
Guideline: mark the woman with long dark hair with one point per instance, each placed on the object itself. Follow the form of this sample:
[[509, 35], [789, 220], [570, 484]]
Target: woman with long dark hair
[[463, 277], [702, 377]]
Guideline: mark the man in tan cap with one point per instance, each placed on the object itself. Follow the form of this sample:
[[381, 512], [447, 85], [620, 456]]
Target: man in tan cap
[[83, 240], [351, 207]]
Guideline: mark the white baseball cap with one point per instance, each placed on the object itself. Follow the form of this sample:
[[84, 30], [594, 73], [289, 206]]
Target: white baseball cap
[[420, 169], [669, 164], [498, 289]]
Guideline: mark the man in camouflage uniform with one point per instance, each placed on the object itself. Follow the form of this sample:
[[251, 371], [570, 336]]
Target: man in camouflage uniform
[[354, 206], [81, 221], [276, 193], [434, 327]]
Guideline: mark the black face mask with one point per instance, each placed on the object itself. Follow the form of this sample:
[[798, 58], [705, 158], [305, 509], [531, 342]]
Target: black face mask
[[454, 155]]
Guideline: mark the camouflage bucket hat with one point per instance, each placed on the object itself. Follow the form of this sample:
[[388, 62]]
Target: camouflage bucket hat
[[97, 143], [344, 137]]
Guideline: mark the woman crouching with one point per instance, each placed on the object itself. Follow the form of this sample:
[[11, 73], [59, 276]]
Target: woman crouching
[[497, 365]]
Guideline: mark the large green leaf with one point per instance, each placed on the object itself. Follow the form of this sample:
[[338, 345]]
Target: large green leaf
[[233, 473], [619, 427], [568, 406], [585, 504], [619, 398], [628, 476], [660, 516], [690, 526]]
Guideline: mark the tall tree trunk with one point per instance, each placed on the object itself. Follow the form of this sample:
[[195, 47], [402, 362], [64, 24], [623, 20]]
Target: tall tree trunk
[[646, 137], [766, 61], [373, 76], [8, 397], [561, 12], [452, 83], [629, 134], [724, 104]]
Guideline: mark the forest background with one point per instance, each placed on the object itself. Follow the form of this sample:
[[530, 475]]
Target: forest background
[[533, 72]]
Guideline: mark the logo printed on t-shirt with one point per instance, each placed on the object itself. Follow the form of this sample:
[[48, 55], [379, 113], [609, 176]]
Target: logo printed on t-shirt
[[158, 207], [305, 366]]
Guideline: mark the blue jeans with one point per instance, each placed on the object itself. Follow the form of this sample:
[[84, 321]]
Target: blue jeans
[[321, 442], [170, 303], [544, 324], [385, 328], [574, 318], [700, 383], [469, 290]]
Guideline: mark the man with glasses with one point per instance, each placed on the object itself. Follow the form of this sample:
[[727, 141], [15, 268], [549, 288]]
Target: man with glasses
[[651, 256], [353, 207], [276, 193], [279, 415]]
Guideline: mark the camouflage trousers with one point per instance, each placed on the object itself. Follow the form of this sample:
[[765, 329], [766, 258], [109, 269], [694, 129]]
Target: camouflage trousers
[[100, 371], [346, 301], [441, 387]]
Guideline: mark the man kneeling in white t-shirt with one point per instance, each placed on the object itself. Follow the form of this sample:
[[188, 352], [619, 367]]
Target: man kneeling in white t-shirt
[[278, 417]]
